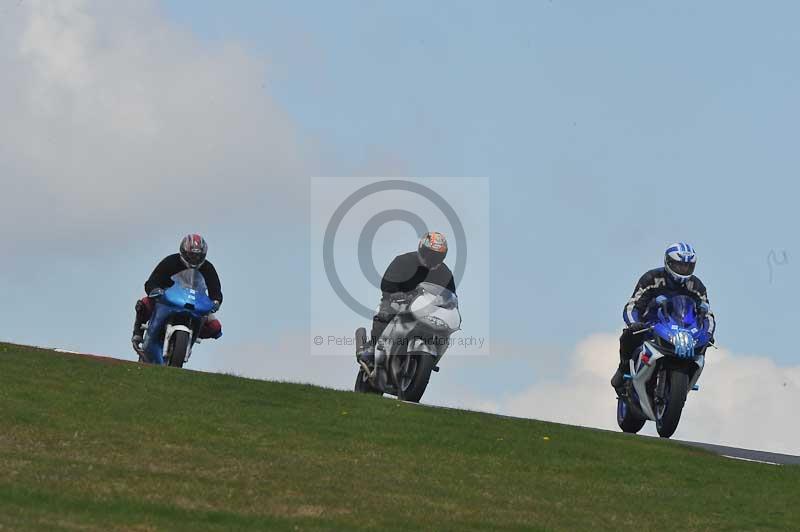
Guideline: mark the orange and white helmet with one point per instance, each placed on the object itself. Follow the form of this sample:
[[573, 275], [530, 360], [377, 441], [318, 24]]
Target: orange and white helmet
[[432, 250]]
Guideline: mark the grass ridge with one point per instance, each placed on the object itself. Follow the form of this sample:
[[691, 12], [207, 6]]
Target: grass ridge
[[101, 444]]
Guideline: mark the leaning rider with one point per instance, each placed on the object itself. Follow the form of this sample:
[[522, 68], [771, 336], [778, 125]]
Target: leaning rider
[[192, 254], [675, 278], [403, 275]]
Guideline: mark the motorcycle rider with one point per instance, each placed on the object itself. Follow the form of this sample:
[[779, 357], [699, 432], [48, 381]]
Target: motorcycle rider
[[675, 278], [403, 275], [192, 254]]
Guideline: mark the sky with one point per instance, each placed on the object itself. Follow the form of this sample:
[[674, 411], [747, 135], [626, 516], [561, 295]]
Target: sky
[[602, 131]]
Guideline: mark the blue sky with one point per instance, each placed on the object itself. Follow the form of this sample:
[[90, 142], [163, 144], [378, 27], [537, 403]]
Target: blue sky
[[606, 130]]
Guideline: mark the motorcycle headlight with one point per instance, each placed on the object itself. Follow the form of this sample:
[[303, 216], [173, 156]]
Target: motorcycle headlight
[[436, 321], [684, 344]]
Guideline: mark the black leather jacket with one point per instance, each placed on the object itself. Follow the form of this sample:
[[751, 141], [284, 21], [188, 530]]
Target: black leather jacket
[[172, 264], [659, 282]]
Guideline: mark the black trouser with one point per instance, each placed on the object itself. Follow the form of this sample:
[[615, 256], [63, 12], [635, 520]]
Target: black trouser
[[379, 325], [382, 319], [628, 345]]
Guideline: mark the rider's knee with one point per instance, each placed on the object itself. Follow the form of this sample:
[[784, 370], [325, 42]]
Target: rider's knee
[[383, 316], [144, 308]]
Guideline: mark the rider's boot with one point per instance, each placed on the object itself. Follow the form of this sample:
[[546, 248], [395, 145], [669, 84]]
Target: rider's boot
[[618, 380], [137, 339], [367, 355], [364, 351]]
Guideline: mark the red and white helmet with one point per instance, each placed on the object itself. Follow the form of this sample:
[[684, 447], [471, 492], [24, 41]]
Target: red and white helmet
[[193, 250], [432, 250]]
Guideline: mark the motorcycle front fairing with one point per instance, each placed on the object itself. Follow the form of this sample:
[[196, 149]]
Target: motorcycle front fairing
[[184, 303], [437, 308], [432, 313], [435, 315], [679, 336], [642, 372], [680, 314]]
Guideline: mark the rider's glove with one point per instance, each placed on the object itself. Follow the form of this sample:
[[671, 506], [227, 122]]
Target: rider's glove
[[398, 299], [637, 326], [156, 293], [215, 306], [397, 296]]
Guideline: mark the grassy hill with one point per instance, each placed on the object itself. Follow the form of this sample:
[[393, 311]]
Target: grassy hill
[[98, 444]]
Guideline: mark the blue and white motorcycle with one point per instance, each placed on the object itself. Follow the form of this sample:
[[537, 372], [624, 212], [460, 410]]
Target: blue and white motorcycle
[[667, 366], [180, 313]]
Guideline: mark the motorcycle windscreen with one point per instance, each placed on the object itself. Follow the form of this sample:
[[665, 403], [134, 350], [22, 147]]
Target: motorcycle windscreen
[[444, 298], [190, 278], [189, 291], [438, 306], [681, 310]]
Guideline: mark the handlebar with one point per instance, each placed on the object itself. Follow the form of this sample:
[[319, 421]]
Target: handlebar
[[155, 293], [403, 297]]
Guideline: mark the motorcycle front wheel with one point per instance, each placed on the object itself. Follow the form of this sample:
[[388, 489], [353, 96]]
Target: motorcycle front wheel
[[411, 375], [668, 413], [180, 348]]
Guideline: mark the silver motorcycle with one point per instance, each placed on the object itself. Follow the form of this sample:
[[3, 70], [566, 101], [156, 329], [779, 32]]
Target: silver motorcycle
[[412, 345]]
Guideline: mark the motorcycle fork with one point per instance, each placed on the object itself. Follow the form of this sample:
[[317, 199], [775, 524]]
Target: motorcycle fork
[[660, 387]]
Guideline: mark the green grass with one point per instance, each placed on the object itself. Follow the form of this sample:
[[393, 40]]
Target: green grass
[[98, 444]]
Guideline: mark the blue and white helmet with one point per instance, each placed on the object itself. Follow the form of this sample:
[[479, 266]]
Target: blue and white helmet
[[680, 260]]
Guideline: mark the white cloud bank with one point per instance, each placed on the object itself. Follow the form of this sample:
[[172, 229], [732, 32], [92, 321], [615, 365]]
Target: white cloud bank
[[288, 358], [744, 401], [112, 115]]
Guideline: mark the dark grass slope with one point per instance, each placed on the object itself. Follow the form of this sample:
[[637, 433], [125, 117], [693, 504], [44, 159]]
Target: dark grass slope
[[98, 444]]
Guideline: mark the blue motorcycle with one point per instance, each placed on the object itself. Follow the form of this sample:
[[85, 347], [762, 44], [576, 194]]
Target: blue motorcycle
[[180, 313], [667, 367]]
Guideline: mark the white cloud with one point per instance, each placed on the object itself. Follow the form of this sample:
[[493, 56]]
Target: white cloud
[[287, 358], [744, 401], [111, 115]]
